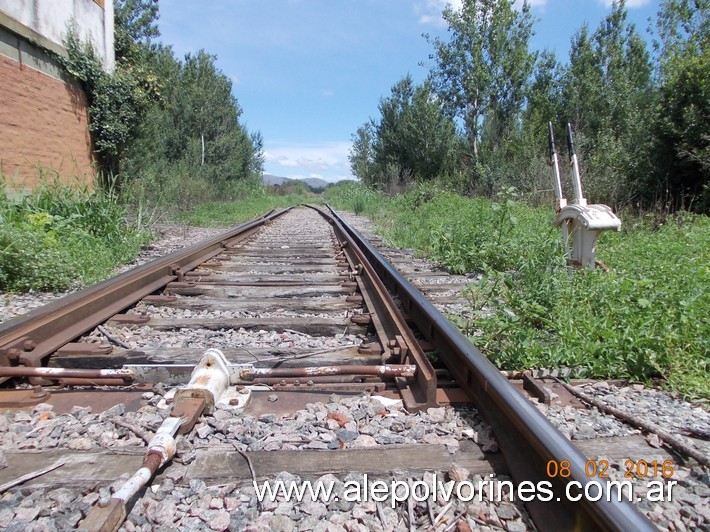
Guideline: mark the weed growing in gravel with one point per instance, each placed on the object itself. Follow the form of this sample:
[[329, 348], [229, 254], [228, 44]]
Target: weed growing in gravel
[[61, 236], [646, 319]]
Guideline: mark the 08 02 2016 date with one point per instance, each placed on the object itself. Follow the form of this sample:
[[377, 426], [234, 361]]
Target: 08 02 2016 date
[[599, 468]]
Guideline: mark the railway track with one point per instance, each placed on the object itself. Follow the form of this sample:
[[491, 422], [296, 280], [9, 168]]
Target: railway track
[[223, 350]]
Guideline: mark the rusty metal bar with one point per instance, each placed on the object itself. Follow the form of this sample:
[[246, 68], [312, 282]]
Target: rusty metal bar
[[59, 373], [527, 439], [29, 339], [139, 373], [92, 382], [309, 381], [357, 387], [407, 370]]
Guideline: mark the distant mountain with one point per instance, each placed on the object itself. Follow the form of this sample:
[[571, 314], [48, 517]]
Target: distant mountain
[[272, 180], [313, 183]]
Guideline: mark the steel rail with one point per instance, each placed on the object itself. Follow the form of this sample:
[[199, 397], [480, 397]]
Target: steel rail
[[28, 339], [390, 325], [527, 439]]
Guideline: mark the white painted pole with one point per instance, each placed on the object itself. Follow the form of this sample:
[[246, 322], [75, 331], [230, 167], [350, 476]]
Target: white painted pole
[[579, 198], [557, 185]]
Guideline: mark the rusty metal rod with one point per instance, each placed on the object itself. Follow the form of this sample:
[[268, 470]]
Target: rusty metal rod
[[93, 382], [307, 381], [59, 373], [404, 370]]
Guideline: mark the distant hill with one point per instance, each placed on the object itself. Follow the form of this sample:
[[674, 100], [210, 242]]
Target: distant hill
[[313, 183], [272, 180]]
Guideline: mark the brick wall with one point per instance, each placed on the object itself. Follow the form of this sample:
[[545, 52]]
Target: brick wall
[[43, 124]]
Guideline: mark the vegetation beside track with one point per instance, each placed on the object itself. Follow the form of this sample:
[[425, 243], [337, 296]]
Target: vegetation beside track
[[59, 237], [252, 201], [646, 319]]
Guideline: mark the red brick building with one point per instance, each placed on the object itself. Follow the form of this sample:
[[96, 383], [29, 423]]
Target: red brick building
[[43, 113]]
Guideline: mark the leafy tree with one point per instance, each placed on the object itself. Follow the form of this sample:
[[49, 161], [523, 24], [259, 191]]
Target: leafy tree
[[607, 92], [195, 128], [482, 72], [682, 146], [432, 133], [362, 156], [135, 25], [545, 93], [413, 139]]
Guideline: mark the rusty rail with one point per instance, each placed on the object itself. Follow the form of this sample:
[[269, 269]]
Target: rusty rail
[[527, 439], [394, 333], [27, 340]]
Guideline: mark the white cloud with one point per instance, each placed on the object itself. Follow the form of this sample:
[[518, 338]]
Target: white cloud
[[630, 4], [323, 159], [430, 10], [327, 92]]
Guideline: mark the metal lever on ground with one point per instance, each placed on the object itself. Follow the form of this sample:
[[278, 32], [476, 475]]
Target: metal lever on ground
[[581, 222], [208, 382], [109, 514]]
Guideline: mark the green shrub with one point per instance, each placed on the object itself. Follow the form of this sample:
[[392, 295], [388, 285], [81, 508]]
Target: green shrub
[[60, 237], [646, 319]]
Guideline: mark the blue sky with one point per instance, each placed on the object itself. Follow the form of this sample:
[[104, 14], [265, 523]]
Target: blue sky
[[308, 73]]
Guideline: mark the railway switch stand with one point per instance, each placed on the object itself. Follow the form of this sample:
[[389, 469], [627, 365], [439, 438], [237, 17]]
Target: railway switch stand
[[209, 384], [580, 222]]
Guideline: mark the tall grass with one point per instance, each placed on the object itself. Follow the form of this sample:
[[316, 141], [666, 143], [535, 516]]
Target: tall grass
[[646, 319], [353, 197], [62, 236]]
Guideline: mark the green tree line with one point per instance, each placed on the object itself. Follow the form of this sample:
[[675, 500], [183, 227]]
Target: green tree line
[[169, 129], [479, 121]]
